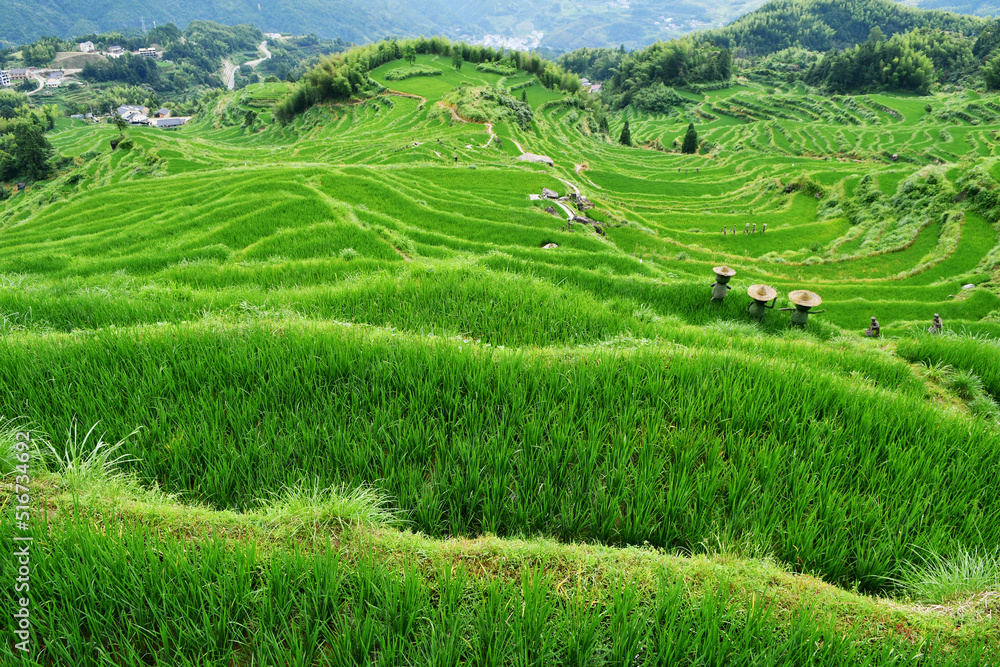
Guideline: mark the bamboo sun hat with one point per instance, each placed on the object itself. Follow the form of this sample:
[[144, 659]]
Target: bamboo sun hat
[[803, 297], [762, 292], [724, 271]]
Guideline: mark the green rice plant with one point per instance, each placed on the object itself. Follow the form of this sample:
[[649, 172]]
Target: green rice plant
[[936, 579]]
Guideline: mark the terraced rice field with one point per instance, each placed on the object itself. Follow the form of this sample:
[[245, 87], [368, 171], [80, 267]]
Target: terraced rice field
[[368, 417]]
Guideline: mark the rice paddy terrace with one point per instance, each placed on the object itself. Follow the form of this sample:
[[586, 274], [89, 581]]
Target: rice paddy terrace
[[378, 406]]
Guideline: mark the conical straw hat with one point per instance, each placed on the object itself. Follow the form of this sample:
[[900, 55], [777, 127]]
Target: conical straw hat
[[762, 292], [724, 271], [803, 297]]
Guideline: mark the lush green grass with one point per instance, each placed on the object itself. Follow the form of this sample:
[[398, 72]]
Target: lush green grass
[[351, 326]]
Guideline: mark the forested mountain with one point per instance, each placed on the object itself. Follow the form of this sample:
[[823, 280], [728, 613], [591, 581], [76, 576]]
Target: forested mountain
[[22, 21], [515, 23], [821, 25]]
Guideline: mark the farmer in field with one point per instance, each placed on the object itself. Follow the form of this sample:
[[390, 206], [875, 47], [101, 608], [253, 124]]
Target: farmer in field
[[754, 228], [723, 274], [746, 230], [937, 326], [804, 301], [761, 295], [873, 330], [765, 228]]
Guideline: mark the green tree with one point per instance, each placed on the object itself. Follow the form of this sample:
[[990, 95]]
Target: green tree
[[604, 125], [121, 124], [626, 137], [524, 96], [690, 145], [456, 58], [410, 54], [31, 151], [991, 72]]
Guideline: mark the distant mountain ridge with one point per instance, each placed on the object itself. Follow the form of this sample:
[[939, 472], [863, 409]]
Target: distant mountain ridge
[[546, 23], [520, 23], [22, 21]]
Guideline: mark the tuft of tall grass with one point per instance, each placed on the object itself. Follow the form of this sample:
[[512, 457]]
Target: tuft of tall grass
[[88, 461], [308, 506], [938, 579]]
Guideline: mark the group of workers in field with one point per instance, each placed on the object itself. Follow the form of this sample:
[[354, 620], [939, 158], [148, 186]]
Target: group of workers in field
[[874, 330], [764, 298], [749, 229]]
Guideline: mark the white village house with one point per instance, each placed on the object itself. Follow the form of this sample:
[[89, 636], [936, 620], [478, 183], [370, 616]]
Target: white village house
[[4, 77], [87, 47]]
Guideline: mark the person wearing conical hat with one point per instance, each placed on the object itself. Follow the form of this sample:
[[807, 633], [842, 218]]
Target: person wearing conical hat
[[873, 330], [765, 228], [723, 274], [754, 228], [937, 326], [803, 301], [746, 230], [761, 294]]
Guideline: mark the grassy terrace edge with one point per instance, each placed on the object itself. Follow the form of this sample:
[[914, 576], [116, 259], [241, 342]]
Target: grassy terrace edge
[[576, 602]]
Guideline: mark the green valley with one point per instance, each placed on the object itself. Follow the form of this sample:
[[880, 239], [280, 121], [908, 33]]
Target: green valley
[[415, 361]]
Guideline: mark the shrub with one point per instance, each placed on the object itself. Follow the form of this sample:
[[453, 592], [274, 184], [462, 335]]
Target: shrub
[[401, 73], [498, 67]]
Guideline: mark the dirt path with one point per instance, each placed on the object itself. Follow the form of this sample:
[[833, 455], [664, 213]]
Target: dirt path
[[569, 213], [396, 93], [489, 126], [570, 185]]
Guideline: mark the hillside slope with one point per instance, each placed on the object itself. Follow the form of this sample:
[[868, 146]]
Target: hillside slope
[[376, 402]]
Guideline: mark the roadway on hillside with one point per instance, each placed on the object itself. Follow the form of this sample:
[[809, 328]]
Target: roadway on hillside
[[229, 74], [267, 55], [41, 85]]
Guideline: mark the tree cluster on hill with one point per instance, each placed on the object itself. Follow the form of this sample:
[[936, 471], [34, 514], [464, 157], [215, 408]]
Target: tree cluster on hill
[[595, 64], [196, 55], [292, 57], [24, 150], [878, 64], [822, 25], [680, 62], [339, 76], [39, 54], [128, 69]]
